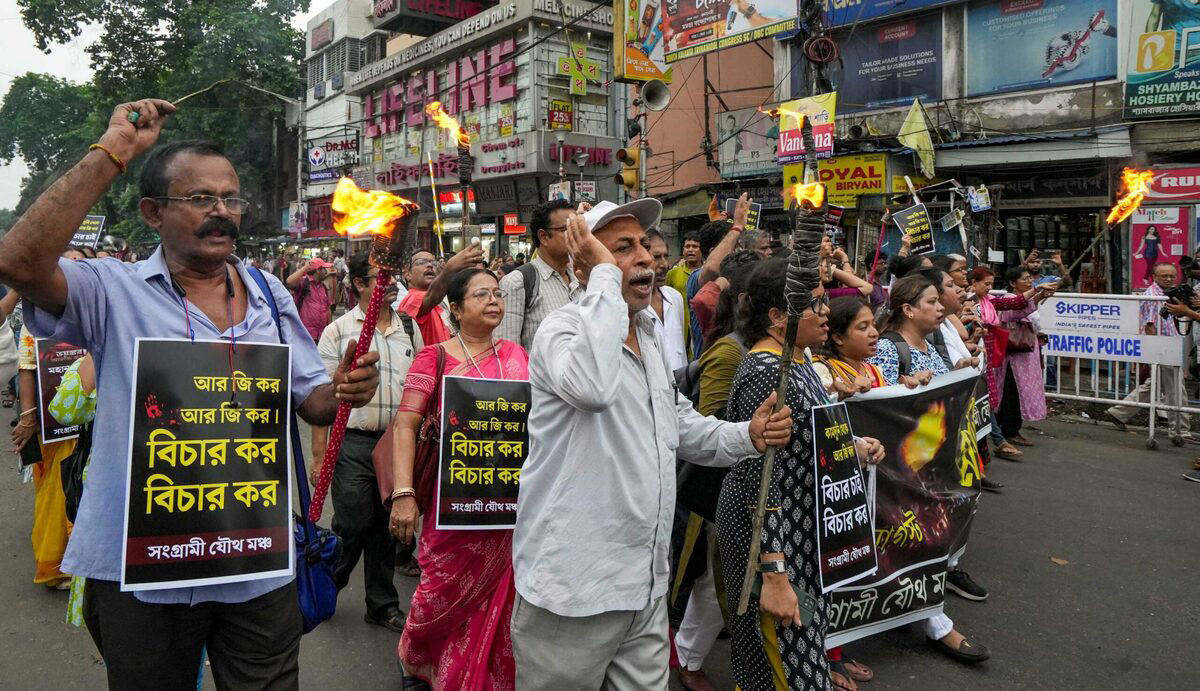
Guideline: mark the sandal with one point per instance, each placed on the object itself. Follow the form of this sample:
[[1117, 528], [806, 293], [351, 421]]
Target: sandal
[[840, 677], [858, 671], [1020, 441], [1008, 452]]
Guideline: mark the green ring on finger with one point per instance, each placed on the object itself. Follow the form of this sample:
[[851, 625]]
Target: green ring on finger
[[133, 116]]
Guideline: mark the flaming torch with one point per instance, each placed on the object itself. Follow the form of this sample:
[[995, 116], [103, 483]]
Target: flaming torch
[[466, 163], [389, 220], [803, 276], [1135, 184]]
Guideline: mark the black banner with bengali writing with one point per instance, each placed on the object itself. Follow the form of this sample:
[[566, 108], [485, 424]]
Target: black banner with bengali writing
[[484, 444], [845, 538], [209, 492], [914, 222], [926, 491], [54, 358]]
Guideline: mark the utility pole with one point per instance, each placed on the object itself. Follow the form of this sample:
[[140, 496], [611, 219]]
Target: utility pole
[[643, 143]]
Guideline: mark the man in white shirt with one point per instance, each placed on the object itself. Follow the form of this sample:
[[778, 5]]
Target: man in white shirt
[[598, 488], [666, 305]]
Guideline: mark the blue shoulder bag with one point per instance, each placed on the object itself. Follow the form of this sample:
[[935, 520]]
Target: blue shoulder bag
[[318, 550]]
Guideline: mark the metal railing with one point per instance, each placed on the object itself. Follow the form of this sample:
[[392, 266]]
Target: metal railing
[[1110, 381]]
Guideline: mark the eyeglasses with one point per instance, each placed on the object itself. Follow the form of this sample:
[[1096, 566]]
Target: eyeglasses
[[483, 294], [551, 229], [423, 262], [206, 202], [819, 305]]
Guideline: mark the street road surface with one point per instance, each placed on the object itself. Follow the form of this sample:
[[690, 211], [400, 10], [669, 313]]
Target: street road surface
[[1121, 612]]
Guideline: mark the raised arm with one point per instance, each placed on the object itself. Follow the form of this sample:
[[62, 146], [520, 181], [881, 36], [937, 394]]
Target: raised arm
[[712, 264], [471, 255], [29, 251]]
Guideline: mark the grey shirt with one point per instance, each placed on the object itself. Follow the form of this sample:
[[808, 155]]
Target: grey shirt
[[520, 327], [598, 488]]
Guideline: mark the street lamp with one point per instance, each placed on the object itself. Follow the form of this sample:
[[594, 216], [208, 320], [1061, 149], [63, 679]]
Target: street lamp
[[561, 136], [581, 158]]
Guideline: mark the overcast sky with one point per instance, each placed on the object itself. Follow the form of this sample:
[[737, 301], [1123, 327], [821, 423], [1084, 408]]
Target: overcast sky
[[67, 62]]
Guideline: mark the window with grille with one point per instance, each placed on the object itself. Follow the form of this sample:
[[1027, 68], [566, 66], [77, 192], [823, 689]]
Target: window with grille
[[316, 70]]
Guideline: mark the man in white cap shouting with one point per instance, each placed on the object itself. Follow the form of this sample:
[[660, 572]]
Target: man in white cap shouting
[[598, 488]]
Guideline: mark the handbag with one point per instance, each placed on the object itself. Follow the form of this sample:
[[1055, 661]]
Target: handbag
[[72, 471], [425, 459], [318, 550]]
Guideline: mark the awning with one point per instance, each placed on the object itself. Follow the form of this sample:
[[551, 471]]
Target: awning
[[693, 202]]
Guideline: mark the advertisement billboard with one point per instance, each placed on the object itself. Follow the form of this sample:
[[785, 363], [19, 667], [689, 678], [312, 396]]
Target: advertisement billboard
[[330, 156], [693, 27], [890, 64], [1014, 45], [748, 140], [640, 56], [1164, 53], [821, 110], [850, 12], [1157, 235]]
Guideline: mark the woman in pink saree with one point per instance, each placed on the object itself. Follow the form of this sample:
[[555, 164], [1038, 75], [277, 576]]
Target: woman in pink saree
[[457, 633]]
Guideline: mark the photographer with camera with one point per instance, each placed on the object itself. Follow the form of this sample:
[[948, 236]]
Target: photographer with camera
[[1163, 319]]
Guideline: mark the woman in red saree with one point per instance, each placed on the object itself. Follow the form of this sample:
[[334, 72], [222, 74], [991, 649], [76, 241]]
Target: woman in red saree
[[457, 633]]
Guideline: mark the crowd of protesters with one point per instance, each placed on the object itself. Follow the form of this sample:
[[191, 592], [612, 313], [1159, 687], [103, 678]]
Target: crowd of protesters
[[609, 333]]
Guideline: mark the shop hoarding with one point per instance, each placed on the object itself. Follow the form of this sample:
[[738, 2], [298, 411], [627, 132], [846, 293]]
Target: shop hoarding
[[1160, 70], [890, 64], [748, 140], [1157, 235], [1014, 45], [694, 27], [821, 111], [850, 12], [330, 156], [639, 57]]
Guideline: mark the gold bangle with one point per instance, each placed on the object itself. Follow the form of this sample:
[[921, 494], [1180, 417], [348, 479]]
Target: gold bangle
[[404, 492], [111, 156]]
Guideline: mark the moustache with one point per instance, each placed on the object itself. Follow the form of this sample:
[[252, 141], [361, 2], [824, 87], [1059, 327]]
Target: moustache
[[218, 226]]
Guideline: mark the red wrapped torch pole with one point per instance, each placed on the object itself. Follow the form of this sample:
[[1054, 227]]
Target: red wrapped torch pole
[[390, 220]]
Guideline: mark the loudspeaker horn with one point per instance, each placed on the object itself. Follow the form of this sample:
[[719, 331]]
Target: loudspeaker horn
[[655, 95]]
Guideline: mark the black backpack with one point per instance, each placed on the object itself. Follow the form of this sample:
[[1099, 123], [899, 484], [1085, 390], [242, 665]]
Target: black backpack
[[530, 277], [904, 353]]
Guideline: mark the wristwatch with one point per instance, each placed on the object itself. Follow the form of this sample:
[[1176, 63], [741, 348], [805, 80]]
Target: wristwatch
[[776, 566], [750, 11]]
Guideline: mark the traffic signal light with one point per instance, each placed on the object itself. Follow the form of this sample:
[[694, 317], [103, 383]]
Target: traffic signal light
[[629, 168]]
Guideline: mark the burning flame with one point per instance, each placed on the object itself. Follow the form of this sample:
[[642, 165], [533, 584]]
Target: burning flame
[[922, 444], [362, 212], [434, 111], [812, 195], [784, 113], [1135, 183]]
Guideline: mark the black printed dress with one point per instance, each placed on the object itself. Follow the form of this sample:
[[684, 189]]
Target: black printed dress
[[790, 528]]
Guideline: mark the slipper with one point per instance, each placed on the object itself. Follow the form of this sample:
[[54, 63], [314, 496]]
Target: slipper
[[1196, 463], [840, 677], [967, 651], [858, 671], [1008, 452], [1020, 441]]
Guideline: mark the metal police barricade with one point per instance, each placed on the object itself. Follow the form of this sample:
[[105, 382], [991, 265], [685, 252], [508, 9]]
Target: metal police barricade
[[1102, 334]]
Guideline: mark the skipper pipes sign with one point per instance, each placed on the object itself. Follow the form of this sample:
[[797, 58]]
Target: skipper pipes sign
[[1104, 329]]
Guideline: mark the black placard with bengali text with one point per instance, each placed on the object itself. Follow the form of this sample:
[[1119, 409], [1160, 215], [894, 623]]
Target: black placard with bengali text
[[925, 493], [484, 444], [54, 358], [209, 480], [914, 222], [845, 527], [751, 216]]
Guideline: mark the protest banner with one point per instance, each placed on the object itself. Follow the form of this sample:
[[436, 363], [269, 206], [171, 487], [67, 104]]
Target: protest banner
[[845, 529], [484, 445], [54, 358], [983, 410], [926, 491], [209, 488], [88, 233], [914, 222], [751, 216]]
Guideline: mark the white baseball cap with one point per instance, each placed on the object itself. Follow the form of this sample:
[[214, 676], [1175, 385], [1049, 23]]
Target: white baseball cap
[[647, 211]]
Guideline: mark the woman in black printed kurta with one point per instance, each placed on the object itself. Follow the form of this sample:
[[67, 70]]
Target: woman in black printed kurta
[[770, 653]]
